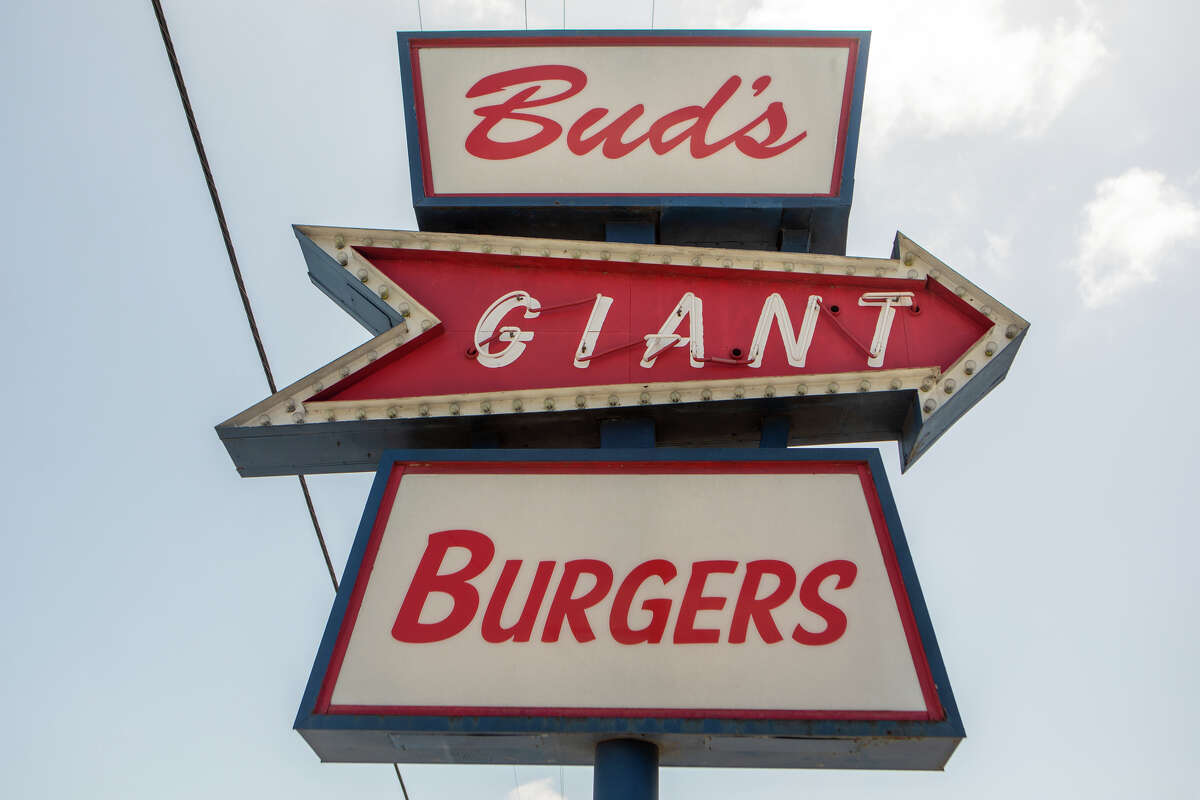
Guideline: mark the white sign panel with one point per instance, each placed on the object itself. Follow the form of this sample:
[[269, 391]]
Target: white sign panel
[[654, 116], [680, 589]]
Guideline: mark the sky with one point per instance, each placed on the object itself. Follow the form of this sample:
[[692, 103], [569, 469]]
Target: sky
[[162, 613]]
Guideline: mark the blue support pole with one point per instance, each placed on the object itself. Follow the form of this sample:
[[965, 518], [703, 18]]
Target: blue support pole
[[631, 232], [626, 769], [775, 432]]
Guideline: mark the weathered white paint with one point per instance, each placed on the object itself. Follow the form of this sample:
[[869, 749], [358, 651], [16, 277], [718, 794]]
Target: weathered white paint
[[624, 520], [591, 331], [513, 338], [808, 81], [691, 308], [774, 310], [887, 302]]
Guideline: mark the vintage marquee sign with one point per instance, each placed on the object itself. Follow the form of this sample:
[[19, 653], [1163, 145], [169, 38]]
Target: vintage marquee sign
[[636, 121], [534, 341], [494, 597]]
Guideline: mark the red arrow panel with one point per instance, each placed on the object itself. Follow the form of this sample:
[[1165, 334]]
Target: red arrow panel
[[929, 327]]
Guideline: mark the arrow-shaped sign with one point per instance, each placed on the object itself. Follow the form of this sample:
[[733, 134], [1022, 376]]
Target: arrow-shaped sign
[[522, 340]]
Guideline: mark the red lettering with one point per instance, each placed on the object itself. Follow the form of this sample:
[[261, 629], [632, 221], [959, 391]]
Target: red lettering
[[694, 601], [609, 138], [776, 121], [611, 134], [698, 130], [749, 607], [659, 607], [493, 630], [574, 609], [479, 141], [810, 596], [430, 577], [408, 626]]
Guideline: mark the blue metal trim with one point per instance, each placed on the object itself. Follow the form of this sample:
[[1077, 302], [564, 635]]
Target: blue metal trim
[[416, 175], [775, 431], [916, 599], [850, 155], [355, 445], [540, 455], [659, 33], [795, 241], [947, 732], [416, 172], [920, 436], [631, 232], [634, 201], [627, 433], [345, 588], [344, 289]]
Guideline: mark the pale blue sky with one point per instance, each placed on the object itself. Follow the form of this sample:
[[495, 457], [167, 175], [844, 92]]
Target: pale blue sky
[[162, 613]]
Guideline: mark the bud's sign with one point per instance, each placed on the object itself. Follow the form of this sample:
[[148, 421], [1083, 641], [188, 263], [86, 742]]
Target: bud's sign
[[630, 592], [634, 114]]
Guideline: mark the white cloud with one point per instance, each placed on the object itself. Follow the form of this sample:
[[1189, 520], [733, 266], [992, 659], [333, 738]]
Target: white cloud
[[936, 68], [997, 249], [940, 68], [1129, 226], [541, 789]]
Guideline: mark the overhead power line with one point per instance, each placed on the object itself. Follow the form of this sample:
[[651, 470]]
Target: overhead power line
[[237, 277], [233, 261], [400, 778], [212, 192]]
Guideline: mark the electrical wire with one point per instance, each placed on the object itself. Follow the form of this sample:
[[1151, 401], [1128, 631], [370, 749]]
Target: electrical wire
[[237, 275], [400, 778], [233, 261], [212, 192], [312, 514]]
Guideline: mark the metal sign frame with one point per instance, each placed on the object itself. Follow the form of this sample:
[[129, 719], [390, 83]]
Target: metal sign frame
[[277, 437], [859, 740], [799, 223]]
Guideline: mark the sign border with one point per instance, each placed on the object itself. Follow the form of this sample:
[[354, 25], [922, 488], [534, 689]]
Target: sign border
[[424, 735], [845, 157]]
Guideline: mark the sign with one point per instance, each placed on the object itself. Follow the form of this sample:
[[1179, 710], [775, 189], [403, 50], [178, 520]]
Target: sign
[[554, 124], [528, 338], [579, 115], [494, 597]]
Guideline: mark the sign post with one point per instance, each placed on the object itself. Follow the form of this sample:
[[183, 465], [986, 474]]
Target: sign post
[[625, 769]]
